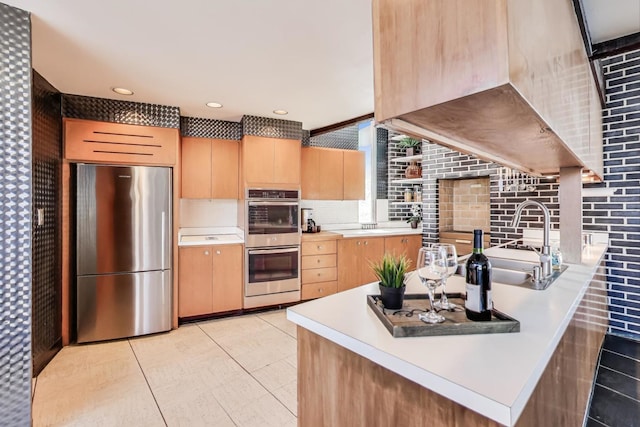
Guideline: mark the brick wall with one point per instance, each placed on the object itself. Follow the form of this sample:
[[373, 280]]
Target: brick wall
[[618, 210]]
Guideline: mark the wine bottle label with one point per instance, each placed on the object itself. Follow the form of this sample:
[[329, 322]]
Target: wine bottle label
[[473, 298], [489, 300]]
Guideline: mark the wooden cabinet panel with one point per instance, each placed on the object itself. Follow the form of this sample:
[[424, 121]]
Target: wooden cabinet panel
[[227, 277], [310, 174], [319, 248], [318, 261], [286, 163], [319, 275], [353, 175], [318, 290], [196, 168], [404, 245], [102, 142], [224, 169], [332, 174], [257, 157], [354, 257], [195, 292]]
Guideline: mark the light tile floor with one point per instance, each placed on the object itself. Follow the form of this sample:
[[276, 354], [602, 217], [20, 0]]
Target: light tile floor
[[238, 371]]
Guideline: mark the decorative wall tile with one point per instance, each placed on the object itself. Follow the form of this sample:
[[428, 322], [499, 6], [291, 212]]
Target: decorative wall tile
[[115, 111], [15, 217], [271, 128], [209, 128], [345, 138], [46, 240]]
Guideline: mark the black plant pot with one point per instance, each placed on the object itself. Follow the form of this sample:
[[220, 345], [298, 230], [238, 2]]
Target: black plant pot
[[392, 298], [414, 224]]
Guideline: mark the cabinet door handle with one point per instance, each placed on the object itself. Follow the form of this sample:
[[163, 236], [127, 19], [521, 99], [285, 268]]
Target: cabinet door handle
[[217, 252], [320, 290], [206, 252], [468, 242], [319, 247], [366, 242], [318, 261], [358, 243], [320, 274]]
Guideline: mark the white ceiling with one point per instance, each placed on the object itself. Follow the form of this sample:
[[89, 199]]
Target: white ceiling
[[610, 19], [312, 58]]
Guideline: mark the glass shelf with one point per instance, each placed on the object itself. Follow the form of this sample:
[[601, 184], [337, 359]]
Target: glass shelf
[[407, 181], [406, 159]]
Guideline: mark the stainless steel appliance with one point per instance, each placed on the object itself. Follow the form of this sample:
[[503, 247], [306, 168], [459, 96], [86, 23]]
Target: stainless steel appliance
[[272, 240], [123, 251], [306, 219]]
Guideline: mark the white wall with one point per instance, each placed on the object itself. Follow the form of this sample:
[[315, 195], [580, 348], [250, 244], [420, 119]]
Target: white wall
[[208, 213]]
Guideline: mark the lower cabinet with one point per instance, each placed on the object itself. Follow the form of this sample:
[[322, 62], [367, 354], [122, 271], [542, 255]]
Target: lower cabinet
[[463, 241], [404, 245], [210, 279], [354, 258], [319, 271]]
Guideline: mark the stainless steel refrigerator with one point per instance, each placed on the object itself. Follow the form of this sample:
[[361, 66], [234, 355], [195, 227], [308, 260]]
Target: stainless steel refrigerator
[[123, 251]]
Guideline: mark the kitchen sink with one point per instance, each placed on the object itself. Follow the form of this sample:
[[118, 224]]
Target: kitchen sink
[[517, 273]]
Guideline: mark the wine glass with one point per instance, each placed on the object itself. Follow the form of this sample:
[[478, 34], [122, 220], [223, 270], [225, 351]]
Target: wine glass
[[450, 264], [427, 268]]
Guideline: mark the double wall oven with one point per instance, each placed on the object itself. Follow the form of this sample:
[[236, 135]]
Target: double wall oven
[[272, 240]]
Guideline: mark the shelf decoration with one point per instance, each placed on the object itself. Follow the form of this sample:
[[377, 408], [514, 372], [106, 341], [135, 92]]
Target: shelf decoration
[[513, 181], [413, 171]]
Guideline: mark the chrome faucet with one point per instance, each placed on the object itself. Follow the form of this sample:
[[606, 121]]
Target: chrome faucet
[[545, 254]]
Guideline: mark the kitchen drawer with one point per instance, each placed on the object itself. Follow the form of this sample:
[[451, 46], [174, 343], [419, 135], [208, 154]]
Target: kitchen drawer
[[463, 246], [319, 275], [317, 290], [318, 261], [319, 248]]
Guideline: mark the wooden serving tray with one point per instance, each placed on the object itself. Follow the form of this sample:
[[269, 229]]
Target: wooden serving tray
[[404, 322]]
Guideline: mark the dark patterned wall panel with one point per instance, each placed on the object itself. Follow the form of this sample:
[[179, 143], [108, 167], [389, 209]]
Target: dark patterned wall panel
[[15, 217], [306, 138], [47, 160], [617, 211], [345, 138], [382, 163], [209, 128], [114, 111], [271, 128]]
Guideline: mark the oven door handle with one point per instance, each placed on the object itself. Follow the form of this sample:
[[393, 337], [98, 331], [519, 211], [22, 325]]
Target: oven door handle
[[272, 251], [252, 203]]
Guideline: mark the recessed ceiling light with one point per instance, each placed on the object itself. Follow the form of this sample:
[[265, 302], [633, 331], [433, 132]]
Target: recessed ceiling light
[[122, 91], [214, 105], [281, 112]]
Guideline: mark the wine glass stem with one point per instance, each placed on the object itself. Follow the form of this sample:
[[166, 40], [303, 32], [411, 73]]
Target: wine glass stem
[[444, 301], [431, 298]]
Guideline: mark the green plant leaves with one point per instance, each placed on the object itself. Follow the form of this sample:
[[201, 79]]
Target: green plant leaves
[[390, 270]]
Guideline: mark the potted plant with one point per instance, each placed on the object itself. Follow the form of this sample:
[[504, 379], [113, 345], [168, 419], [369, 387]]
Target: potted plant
[[411, 145], [390, 271], [416, 216]]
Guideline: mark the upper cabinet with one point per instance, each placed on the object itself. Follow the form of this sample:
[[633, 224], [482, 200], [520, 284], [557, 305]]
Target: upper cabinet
[[209, 168], [506, 80], [332, 174], [270, 161], [102, 142]]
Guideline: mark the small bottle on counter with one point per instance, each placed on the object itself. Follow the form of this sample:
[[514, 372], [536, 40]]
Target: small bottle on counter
[[556, 256], [407, 195], [478, 304]]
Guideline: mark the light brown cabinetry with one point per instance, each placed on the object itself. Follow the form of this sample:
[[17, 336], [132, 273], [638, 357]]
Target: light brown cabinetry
[[354, 257], [463, 241], [102, 142], [270, 161], [209, 168], [319, 272], [210, 279], [477, 76], [404, 245], [332, 174]]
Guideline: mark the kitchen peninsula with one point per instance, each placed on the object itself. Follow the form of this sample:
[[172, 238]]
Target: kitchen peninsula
[[351, 371]]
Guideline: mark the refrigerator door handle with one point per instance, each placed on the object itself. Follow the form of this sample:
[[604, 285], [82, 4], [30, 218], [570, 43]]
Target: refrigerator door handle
[[163, 232]]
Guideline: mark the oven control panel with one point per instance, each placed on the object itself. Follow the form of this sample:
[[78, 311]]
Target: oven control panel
[[272, 194]]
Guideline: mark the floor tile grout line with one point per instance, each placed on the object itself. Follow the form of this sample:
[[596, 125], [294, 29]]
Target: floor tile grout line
[[245, 369], [276, 326], [618, 372], [617, 392], [148, 385], [599, 423], [622, 355]]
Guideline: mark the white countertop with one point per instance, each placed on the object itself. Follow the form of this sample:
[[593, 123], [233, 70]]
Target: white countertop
[[492, 374], [210, 236]]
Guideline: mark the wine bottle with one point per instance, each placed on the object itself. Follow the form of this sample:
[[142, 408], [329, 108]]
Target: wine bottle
[[478, 304]]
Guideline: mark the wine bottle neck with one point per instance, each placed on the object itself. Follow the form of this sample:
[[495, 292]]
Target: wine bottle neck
[[477, 250]]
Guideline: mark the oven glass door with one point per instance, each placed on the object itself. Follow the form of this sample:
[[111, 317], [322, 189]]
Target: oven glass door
[[273, 218], [272, 271]]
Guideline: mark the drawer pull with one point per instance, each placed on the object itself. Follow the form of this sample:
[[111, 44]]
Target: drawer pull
[[318, 261], [319, 274], [366, 242], [468, 242], [320, 290], [206, 252], [358, 243], [217, 252]]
